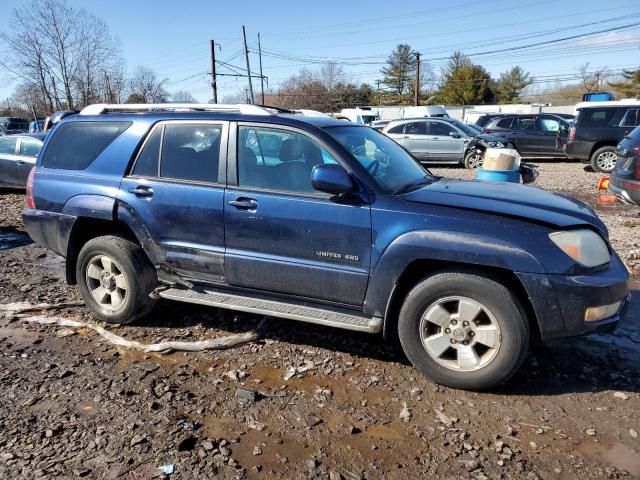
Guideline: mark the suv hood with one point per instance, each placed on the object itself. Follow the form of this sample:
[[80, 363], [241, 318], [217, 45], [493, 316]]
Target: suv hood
[[510, 199]]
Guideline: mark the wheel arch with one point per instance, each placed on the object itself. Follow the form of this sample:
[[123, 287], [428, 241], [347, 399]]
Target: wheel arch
[[419, 269], [600, 144]]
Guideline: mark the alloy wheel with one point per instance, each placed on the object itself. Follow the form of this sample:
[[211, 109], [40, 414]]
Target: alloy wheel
[[606, 161], [106, 282], [460, 333]]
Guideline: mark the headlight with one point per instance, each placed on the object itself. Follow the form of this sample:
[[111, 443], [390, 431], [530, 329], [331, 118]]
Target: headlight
[[496, 145], [585, 246]]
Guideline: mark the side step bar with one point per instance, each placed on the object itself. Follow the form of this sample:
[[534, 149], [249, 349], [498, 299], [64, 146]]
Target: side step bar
[[274, 308]]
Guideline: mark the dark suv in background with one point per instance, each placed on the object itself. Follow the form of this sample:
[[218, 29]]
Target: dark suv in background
[[541, 135], [597, 130], [625, 178]]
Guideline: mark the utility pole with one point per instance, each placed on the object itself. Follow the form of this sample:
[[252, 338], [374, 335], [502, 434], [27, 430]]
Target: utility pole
[[416, 100], [214, 84], [246, 57], [261, 77]]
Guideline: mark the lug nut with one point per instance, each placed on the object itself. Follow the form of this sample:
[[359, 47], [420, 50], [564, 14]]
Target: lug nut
[[453, 341], [465, 324], [472, 334], [447, 330], [454, 322], [465, 343]]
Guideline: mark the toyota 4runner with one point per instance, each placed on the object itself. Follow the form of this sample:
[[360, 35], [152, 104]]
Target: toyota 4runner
[[314, 219]]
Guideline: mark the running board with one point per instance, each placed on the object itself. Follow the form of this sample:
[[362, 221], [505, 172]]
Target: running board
[[274, 308]]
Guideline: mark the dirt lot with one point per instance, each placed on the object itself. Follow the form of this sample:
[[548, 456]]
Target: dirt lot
[[72, 405]]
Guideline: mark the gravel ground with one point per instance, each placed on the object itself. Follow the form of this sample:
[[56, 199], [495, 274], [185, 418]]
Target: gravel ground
[[72, 405]]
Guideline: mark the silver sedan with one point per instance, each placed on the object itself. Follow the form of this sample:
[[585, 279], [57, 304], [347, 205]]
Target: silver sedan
[[18, 155]]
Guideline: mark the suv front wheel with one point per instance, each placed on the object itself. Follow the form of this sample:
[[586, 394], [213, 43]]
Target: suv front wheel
[[115, 279], [463, 330], [604, 159]]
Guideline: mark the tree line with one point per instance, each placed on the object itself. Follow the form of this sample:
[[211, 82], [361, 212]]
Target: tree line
[[67, 58]]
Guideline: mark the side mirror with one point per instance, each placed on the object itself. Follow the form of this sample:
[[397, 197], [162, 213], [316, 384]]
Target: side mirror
[[331, 178], [454, 134]]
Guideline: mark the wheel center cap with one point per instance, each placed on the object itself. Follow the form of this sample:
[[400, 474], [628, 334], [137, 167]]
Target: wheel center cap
[[459, 334], [108, 281]]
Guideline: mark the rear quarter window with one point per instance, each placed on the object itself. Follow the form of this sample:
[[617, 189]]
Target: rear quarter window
[[76, 144], [596, 117]]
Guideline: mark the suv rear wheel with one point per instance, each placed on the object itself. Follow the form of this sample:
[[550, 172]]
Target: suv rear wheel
[[473, 159], [463, 330], [604, 159], [115, 279]]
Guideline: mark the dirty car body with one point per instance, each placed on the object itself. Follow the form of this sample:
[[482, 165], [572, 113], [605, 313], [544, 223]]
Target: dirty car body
[[314, 220]]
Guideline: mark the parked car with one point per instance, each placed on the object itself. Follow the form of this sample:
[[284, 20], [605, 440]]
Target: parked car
[[17, 157], [534, 136], [441, 140], [13, 125], [484, 119], [36, 126], [598, 128], [379, 124], [323, 222], [624, 181]]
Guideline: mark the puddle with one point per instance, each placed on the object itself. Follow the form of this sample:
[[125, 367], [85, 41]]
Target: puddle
[[619, 456], [11, 239]]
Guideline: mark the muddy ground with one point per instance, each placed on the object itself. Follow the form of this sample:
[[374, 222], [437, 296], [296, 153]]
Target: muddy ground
[[72, 405]]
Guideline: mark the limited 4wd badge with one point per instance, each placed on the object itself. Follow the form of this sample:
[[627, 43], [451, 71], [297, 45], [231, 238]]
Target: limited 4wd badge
[[337, 256]]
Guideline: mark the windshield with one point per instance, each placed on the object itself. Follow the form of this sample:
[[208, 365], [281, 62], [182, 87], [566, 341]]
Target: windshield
[[390, 165], [464, 127]]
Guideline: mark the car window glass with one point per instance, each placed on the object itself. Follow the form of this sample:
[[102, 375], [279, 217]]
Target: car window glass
[[440, 128], [75, 145], [191, 152], [631, 118], [505, 123], [396, 129], [416, 128], [8, 146], [276, 159], [595, 117], [147, 161], [527, 123], [30, 147], [549, 124]]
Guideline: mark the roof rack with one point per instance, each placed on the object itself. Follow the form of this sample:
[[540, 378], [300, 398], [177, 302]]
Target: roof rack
[[100, 108]]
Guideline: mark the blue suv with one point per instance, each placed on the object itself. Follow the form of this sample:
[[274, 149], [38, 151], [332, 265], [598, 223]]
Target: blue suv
[[318, 220]]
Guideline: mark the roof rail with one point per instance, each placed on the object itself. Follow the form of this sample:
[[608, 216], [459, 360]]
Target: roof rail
[[100, 108]]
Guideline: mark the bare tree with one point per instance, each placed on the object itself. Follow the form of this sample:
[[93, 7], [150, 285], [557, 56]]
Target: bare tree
[[594, 79], [183, 96], [145, 87], [61, 51]]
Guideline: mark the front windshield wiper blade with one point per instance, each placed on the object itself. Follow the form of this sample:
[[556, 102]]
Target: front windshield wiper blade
[[413, 185]]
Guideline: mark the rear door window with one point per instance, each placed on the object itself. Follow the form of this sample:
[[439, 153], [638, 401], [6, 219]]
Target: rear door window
[[527, 124], [416, 128], [191, 152], [505, 123], [75, 145], [30, 147]]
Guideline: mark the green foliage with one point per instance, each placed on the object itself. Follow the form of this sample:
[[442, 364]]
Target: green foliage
[[511, 84], [400, 70], [464, 83], [630, 86]]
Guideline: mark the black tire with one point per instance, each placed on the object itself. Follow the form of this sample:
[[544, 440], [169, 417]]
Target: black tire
[[601, 159], [132, 263], [505, 309], [471, 160]]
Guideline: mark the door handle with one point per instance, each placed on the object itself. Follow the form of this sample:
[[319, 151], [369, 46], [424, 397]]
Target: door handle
[[435, 138], [20, 162], [406, 136], [244, 203], [142, 191]]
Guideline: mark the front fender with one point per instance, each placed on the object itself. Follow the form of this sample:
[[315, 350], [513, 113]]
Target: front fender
[[442, 246]]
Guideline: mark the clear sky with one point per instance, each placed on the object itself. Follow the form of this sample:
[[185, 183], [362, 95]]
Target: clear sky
[[173, 37]]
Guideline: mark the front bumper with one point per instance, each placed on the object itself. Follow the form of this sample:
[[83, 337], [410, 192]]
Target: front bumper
[[560, 301]]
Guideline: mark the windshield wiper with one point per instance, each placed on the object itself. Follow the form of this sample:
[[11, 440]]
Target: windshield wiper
[[413, 185]]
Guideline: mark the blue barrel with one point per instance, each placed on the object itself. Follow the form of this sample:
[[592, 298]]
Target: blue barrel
[[512, 176]]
